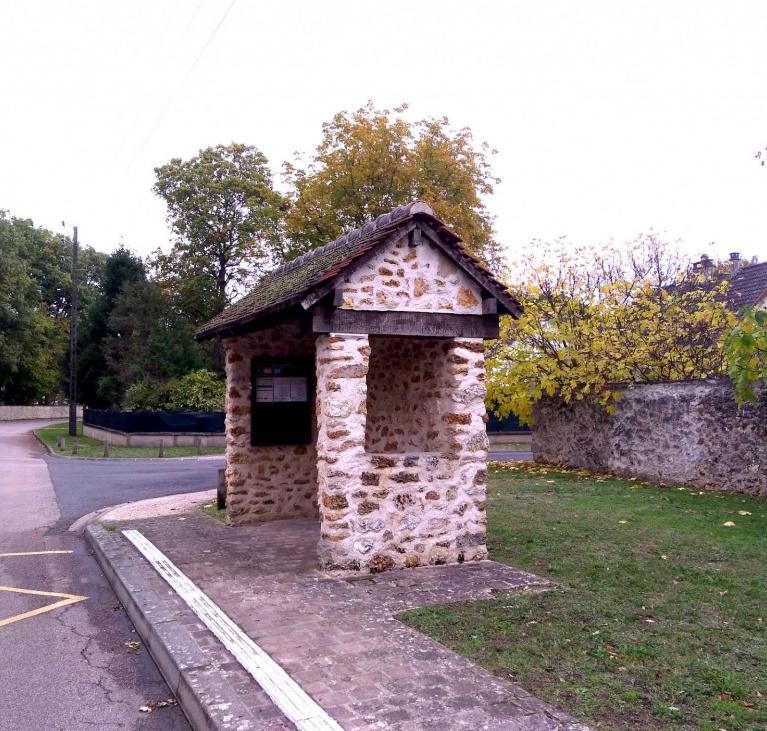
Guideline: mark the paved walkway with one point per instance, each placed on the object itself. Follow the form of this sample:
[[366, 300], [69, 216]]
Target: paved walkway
[[335, 634]]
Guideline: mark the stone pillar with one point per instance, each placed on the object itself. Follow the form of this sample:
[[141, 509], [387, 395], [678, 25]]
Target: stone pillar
[[401, 509], [342, 366], [464, 416]]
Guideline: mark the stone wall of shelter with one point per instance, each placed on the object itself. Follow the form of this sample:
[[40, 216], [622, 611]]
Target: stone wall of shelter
[[404, 277], [384, 510], [265, 483], [689, 433], [406, 382]]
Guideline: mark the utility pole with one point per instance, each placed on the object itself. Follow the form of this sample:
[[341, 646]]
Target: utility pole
[[73, 344]]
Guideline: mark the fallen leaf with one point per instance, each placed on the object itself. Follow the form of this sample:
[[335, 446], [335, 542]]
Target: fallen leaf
[[664, 557], [154, 705], [133, 644], [623, 521], [728, 524], [743, 512]]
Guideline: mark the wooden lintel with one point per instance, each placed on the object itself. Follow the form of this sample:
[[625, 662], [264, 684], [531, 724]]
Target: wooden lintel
[[415, 324], [489, 306]]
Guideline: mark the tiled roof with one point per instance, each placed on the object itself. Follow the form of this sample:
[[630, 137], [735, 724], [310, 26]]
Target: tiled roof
[[289, 284], [748, 287]]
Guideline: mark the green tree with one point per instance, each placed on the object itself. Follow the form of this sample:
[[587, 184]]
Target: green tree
[[225, 216], [746, 349], [372, 160], [100, 386], [34, 311], [594, 320], [148, 338]]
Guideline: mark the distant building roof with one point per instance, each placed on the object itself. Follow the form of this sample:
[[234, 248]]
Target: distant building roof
[[748, 287], [291, 283]]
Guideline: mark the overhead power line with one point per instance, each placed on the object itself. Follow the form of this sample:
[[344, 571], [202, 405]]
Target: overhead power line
[[173, 97]]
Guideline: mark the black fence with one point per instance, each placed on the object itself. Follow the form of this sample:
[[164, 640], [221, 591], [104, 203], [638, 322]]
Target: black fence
[[169, 422], [505, 426]]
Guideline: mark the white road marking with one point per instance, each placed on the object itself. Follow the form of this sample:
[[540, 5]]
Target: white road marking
[[288, 696]]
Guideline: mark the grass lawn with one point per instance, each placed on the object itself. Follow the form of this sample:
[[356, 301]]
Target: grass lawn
[[88, 447], [660, 619], [211, 509]]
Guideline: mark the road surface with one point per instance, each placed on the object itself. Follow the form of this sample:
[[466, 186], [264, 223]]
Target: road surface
[[510, 455], [73, 667], [85, 485]]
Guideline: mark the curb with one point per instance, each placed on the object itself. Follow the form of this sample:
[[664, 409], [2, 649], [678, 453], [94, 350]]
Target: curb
[[84, 521], [199, 684], [45, 446], [112, 513]]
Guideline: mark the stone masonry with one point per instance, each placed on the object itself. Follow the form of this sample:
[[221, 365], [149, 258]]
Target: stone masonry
[[418, 278], [397, 508], [264, 483], [689, 433]]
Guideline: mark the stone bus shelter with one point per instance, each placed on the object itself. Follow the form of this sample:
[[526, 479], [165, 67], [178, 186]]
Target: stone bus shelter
[[355, 394]]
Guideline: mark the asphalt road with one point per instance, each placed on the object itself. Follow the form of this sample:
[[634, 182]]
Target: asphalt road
[[85, 485], [70, 668], [510, 455]]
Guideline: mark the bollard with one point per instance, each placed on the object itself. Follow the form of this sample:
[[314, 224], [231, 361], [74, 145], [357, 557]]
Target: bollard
[[198, 444], [221, 490], [106, 449], [161, 452], [62, 443], [75, 445]]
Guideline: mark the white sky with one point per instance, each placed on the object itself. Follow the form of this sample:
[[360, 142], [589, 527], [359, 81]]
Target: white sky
[[610, 118]]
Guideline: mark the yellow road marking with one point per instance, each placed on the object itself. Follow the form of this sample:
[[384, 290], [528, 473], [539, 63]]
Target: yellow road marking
[[33, 553], [65, 600]]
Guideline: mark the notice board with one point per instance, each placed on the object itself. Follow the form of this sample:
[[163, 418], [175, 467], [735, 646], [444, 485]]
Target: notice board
[[282, 391]]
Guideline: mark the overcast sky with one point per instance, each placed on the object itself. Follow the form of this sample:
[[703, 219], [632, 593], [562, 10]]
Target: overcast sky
[[610, 118]]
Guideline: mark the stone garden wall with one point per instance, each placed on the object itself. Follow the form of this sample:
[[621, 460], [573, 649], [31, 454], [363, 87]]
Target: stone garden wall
[[265, 483], [688, 433], [13, 413], [396, 508]]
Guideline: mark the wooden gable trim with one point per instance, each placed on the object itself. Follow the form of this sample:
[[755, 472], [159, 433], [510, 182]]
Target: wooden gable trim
[[396, 322], [466, 264]]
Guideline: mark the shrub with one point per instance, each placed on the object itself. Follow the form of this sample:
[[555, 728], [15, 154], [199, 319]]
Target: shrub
[[746, 349], [148, 395], [199, 390]]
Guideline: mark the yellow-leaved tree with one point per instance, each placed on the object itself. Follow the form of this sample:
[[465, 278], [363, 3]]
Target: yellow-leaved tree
[[371, 160], [597, 319]]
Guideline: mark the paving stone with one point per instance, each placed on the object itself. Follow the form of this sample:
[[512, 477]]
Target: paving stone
[[335, 634]]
